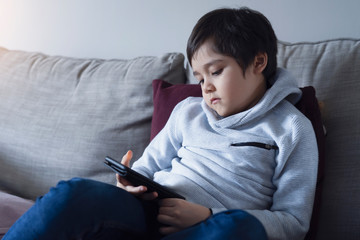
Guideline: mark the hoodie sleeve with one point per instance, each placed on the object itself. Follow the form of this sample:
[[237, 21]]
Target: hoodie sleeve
[[295, 181], [162, 149]]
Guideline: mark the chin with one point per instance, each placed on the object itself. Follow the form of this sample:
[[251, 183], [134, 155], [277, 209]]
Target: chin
[[223, 115]]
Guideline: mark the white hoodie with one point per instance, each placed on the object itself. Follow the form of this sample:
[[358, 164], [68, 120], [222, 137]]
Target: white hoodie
[[263, 160]]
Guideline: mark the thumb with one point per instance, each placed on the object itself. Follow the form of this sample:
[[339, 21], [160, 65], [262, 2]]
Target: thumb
[[127, 158]]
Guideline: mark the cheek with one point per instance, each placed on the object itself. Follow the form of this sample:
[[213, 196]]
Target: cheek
[[231, 91]]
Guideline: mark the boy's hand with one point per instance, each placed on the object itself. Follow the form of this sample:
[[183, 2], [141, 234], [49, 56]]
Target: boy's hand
[[179, 214], [126, 185]]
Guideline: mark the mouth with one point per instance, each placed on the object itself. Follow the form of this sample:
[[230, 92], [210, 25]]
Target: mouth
[[214, 100]]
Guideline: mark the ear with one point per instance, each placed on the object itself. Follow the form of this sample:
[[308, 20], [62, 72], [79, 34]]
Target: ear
[[260, 62]]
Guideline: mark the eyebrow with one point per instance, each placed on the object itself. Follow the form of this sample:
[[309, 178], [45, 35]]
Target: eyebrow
[[207, 65]]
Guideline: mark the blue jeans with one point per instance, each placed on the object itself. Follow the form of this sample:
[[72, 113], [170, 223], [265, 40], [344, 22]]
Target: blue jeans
[[87, 209]]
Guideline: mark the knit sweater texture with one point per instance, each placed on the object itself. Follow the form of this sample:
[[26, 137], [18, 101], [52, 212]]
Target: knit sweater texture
[[262, 160]]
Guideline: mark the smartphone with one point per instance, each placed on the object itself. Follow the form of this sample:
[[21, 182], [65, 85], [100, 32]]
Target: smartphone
[[138, 179]]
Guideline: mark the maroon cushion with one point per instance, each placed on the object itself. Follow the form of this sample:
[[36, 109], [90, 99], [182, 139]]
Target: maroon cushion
[[309, 106], [166, 96]]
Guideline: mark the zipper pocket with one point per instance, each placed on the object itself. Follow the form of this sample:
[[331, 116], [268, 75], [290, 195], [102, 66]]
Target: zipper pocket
[[255, 144]]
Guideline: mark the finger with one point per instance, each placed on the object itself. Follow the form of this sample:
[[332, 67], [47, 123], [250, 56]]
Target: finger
[[149, 196], [121, 182], [167, 211], [118, 181], [169, 215], [165, 219], [137, 191], [140, 191], [118, 178], [127, 158], [168, 202], [168, 230]]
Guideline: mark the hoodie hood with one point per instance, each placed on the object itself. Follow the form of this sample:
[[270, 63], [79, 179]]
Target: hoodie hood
[[284, 87]]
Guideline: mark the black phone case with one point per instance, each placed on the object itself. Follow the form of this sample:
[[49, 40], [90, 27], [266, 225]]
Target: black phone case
[[138, 179]]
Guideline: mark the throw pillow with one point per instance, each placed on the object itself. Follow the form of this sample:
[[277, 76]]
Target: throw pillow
[[165, 98]]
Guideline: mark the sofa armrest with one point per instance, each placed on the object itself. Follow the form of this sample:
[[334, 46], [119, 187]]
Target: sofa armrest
[[11, 208]]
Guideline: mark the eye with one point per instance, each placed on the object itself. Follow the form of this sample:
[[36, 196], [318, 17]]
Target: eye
[[201, 81], [218, 72]]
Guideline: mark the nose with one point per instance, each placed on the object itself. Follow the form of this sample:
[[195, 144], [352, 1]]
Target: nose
[[208, 86]]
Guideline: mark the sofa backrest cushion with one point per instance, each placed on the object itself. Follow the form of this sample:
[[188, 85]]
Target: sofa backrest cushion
[[60, 116], [333, 68]]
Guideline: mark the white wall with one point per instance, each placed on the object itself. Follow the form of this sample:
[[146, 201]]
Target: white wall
[[129, 28]]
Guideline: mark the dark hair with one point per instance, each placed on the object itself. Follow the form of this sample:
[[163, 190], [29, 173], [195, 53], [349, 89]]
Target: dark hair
[[240, 33]]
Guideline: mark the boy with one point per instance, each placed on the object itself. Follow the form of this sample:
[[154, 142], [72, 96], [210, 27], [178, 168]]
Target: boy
[[242, 146]]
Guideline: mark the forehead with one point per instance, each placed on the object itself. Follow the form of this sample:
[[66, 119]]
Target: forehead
[[205, 50], [206, 56]]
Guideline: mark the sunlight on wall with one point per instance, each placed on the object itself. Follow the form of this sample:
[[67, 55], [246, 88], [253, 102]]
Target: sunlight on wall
[[129, 28], [16, 29]]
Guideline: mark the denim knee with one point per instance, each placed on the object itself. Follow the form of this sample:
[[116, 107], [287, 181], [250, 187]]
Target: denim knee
[[229, 225], [84, 198], [67, 198], [80, 195], [67, 191], [81, 209]]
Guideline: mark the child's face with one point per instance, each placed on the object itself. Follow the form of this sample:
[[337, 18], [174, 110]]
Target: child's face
[[225, 88]]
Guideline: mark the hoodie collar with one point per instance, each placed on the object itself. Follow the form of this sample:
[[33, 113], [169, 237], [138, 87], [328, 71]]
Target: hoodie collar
[[284, 87]]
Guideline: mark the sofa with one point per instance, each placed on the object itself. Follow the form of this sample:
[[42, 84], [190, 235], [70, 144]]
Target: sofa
[[60, 116]]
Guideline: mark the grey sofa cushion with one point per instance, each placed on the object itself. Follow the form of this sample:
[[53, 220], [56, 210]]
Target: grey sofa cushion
[[333, 68], [59, 116]]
